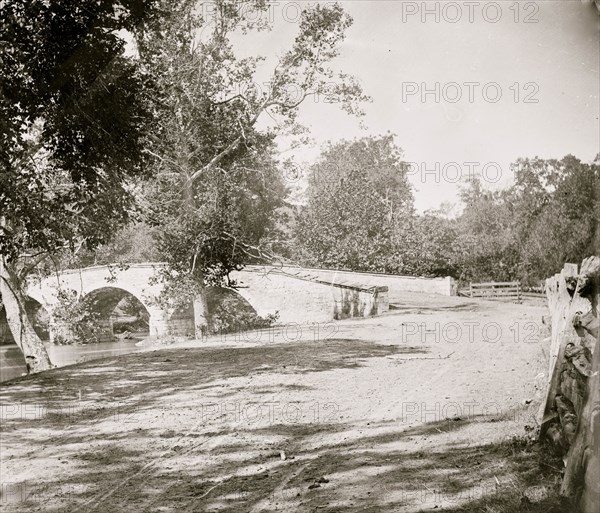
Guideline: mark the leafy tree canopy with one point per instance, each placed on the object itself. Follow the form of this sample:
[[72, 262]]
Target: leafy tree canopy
[[64, 153], [528, 231], [358, 195]]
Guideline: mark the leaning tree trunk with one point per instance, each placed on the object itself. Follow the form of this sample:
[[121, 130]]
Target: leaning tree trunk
[[583, 459], [34, 351]]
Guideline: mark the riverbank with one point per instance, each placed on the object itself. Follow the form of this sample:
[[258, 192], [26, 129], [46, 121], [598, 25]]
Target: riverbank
[[426, 408]]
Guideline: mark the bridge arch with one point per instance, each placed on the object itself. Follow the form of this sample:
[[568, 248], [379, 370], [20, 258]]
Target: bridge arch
[[110, 295], [229, 310], [103, 302]]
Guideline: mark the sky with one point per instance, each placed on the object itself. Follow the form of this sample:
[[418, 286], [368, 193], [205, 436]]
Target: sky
[[506, 80]]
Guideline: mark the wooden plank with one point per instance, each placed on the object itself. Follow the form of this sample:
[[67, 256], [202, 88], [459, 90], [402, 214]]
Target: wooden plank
[[570, 269], [496, 296], [590, 422], [497, 293], [488, 287], [493, 291], [495, 288], [492, 298], [479, 289], [495, 283]]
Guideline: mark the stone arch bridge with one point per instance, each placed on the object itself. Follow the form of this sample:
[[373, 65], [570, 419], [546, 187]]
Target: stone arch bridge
[[297, 295]]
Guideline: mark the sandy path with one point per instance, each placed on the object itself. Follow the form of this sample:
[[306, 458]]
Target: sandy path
[[406, 412]]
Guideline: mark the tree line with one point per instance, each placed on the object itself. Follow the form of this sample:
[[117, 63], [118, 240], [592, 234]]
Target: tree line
[[360, 216]]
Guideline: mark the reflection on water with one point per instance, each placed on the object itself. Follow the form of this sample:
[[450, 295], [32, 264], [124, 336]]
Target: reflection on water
[[12, 363]]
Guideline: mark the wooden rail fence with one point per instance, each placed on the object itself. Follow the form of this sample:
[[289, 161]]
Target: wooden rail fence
[[496, 290], [571, 413]]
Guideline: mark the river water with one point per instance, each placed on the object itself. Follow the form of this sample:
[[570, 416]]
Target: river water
[[12, 363]]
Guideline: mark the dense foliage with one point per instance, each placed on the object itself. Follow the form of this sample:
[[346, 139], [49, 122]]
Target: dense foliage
[[549, 216], [525, 232], [358, 196]]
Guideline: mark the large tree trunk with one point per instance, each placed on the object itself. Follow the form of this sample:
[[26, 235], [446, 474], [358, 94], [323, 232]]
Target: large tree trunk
[[34, 351], [202, 319], [201, 316]]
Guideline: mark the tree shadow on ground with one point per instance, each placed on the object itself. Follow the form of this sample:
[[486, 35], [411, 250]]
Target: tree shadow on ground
[[92, 391], [383, 473], [327, 468]]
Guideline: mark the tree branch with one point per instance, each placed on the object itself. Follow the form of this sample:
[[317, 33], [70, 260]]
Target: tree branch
[[31, 267], [234, 144], [216, 159], [222, 102]]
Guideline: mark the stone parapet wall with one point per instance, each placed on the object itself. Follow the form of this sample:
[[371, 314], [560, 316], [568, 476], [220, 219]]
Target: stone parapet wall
[[397, 285], [307, 298]]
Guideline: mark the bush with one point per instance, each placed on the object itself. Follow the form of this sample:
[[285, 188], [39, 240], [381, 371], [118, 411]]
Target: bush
[[75, 322]]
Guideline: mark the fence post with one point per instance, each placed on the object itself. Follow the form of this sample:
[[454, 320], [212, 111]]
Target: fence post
[[561, 308], [471, 288], [564, 402]]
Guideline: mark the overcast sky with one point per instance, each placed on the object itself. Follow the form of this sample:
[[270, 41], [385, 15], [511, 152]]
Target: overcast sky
[[541, 57]]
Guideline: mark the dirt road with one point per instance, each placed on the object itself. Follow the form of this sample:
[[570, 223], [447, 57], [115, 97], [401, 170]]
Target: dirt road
[[413, 411]]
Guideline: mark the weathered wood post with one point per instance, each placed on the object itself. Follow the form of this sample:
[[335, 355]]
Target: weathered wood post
[[590, 445], [560, 305], [571, 418]]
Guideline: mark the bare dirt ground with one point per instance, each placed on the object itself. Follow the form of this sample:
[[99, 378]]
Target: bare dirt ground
[[416, 410]]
